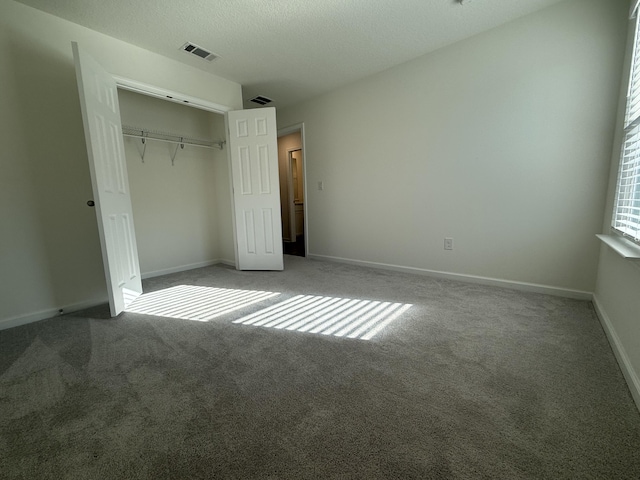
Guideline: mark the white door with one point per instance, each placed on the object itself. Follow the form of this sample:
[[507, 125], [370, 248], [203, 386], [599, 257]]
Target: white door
[[253, 147], [107, 163]]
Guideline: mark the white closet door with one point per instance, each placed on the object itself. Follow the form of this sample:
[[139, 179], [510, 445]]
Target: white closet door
[[253, 147], [107, 163]]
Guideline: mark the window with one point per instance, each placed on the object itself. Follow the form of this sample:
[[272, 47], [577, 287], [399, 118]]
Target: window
[[626, 214]]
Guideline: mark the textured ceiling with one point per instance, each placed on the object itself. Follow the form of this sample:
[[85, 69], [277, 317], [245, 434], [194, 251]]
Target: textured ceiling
[[290, 50]]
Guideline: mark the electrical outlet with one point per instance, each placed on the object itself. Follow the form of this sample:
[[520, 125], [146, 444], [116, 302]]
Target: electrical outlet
[[448, 243]]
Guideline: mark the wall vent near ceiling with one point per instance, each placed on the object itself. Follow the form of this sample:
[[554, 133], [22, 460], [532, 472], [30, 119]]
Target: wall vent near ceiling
[[198, 51], [261, 100]]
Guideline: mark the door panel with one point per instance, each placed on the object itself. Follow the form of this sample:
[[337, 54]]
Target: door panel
[[107, 164], [256, 190]]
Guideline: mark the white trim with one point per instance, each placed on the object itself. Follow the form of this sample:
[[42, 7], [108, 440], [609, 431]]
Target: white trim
[[49, 313], [184, 268], [75, 307], [169, 95], [622, 246], [630, 375], [232, 200], [495, 282], [634, 8]]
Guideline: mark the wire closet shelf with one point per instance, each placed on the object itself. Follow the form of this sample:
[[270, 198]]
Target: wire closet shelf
[[175, 138], [178, 140]]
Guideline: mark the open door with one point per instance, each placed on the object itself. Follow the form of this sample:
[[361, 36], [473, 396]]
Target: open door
[[253, 147], [107, 163]]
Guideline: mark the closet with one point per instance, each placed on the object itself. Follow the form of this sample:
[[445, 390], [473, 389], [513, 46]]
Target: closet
[[179, 183]]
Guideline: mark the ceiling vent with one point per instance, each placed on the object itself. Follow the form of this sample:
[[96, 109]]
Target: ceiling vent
[[261, 100], [198, 51]]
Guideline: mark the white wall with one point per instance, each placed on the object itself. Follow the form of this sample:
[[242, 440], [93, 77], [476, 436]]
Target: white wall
[[49, 250], [618, 305], [616, 293], [175, 206], [501, 141]]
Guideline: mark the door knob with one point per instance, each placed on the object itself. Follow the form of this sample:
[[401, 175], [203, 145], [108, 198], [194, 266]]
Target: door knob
[[91, 203]]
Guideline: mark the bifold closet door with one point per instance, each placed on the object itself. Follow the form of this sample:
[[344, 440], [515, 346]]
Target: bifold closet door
[[107, 163]]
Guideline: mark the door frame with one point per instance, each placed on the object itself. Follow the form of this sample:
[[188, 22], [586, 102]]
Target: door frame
[[299, 127], [169, 95]]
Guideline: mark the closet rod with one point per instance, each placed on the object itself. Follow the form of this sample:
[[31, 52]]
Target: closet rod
[[144, 135], [183, 142]]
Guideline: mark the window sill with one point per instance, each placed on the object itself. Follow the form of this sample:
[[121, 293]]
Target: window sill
[[623, 247]]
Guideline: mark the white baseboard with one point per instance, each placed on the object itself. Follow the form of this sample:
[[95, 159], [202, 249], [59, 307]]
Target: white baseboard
[[184, 268], [495, 282], [630, 375], [49, 313], [54, 312]]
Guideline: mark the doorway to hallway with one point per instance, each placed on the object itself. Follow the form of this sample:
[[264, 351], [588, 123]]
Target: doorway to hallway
[[292, 192]]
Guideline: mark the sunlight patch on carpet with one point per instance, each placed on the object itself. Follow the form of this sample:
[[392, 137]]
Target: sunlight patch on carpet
[[190, 302], [341, 317]]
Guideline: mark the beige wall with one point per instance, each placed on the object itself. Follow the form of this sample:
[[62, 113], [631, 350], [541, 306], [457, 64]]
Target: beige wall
[[501, 141], [49, 249], [286, 143]]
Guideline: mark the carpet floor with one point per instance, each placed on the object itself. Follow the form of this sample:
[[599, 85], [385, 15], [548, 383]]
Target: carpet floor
[[324, 371]]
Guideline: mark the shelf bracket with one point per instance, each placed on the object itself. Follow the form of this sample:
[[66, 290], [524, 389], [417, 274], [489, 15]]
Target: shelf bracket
[[178, 146], [144, 148]]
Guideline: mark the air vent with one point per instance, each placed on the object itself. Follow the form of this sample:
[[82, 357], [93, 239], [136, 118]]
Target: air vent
[[198, 51], [261, 100]]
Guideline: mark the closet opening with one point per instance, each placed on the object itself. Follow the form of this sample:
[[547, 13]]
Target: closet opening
[[179, 183]]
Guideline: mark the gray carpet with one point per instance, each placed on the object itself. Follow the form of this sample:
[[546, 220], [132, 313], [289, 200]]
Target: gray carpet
[[470, 382]]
